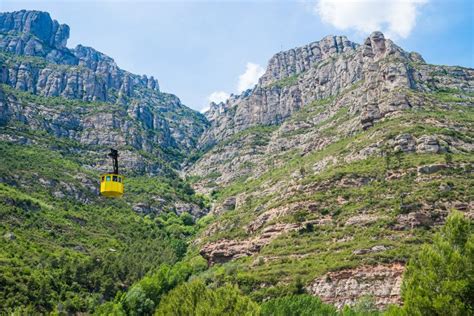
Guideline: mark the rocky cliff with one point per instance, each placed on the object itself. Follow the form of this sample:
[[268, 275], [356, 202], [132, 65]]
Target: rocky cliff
[[325, 69], [343, 157], [367, 81], [97, 103], [88, 75]]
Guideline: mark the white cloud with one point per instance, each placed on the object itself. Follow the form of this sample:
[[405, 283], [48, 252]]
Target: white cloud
[[396, 18], [218, 96], [250, 77], [246, 81]]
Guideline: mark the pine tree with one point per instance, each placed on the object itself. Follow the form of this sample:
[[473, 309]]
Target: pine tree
[[194, 298], [440, 279]]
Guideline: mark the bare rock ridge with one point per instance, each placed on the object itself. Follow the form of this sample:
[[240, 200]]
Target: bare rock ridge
[[326, 69], [38, 24], [368, 81], [130, 111], [92, 76], [298, 60]]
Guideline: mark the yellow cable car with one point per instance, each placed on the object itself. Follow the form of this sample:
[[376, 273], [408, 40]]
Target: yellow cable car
[[111, 184]]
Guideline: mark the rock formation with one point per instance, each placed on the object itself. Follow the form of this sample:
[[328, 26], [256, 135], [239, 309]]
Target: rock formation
[[345, 287], [130, 110], [339, 157]]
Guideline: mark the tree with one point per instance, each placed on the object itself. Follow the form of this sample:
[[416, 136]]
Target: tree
[[440, 279], [297, 305], [194, 298]]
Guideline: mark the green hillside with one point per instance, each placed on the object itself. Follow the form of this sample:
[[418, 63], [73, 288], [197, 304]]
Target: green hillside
[[341, 184], [73, 252]]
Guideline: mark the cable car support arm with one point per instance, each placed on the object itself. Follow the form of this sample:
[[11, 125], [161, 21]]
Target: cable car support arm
[[114, 155]]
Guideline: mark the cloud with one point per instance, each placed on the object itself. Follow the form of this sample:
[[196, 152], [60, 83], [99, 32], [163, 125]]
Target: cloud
[[250, 77], [246, 81], [216, 97], [396, 18]]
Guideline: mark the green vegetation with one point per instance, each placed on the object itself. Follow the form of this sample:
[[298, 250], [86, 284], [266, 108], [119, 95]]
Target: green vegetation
[[66, 249], [11, 59], [144, 296], [73, 105], [260, 135], [286, 82], [297, 305], [439, 280], [194, 298]]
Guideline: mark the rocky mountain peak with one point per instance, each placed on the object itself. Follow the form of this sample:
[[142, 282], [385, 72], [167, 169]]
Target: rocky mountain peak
[[215, 109], [90, 75], [374, 44], [37, 23], [130, 109], [297, 60]]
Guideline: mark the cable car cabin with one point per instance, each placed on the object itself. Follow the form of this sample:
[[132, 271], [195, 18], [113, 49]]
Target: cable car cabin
[[111, 185]]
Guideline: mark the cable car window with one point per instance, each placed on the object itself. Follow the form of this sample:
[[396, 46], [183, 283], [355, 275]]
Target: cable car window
[[119, 179], [103, 178], [107, 178], [114, 179]]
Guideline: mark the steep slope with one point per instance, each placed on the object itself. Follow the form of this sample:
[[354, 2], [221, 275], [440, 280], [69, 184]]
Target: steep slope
[[334, 169], [127, 111], [64, 248], [324, 178]]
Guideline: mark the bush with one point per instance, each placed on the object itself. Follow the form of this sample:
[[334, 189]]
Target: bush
[[297, 305], [194, 298], [144, 296]]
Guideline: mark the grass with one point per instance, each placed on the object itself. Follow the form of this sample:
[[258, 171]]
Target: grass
[[286, 82]]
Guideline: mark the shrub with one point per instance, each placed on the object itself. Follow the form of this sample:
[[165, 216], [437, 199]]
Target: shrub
[[194, 298], [297, 305], [145, 295]]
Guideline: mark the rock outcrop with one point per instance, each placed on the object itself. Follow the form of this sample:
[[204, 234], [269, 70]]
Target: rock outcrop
[[346, 287], [376, 73], [129, 111], [90, 75], [36, 23]]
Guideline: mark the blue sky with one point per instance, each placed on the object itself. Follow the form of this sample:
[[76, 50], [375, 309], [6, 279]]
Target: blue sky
[[201, 48]]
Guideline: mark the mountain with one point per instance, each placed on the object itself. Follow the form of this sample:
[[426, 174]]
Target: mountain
[[324, 179], [129, 110], [63, 246], [335, 168]]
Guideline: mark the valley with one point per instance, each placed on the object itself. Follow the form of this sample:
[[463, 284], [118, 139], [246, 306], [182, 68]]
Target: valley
[[324, 180]]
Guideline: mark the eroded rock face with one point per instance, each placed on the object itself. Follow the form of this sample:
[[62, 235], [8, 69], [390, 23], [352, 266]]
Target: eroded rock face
[[38, 24], [129, 110], [93, 76], [320, 70], [298, 60], [345, 287], [365, 83], [225, 250]]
